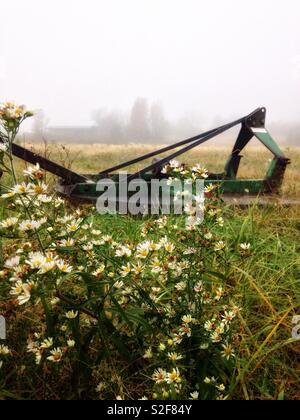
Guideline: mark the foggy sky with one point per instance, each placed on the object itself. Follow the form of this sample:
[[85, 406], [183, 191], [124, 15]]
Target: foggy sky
[[222, 57]]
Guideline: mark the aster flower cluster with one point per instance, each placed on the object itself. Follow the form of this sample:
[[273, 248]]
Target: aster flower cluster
[[176, 169], [109, 303], [156, 288], [12, 115]]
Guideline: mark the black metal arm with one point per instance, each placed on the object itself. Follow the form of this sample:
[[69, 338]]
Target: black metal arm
[[192, 142], [47, 165]]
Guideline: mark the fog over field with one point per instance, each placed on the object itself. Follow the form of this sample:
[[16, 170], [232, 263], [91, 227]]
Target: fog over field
[[150, 70]]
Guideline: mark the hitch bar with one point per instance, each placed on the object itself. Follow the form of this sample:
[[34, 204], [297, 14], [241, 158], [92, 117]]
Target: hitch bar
[[46, 164]]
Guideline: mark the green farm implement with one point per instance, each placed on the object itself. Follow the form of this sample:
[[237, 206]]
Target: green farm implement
[[83, 188]]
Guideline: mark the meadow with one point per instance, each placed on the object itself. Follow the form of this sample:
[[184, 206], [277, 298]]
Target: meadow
[[120, 345]]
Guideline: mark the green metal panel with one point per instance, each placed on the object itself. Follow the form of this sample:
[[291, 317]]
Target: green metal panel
[[263, 135], [272, 168], [240, 186]]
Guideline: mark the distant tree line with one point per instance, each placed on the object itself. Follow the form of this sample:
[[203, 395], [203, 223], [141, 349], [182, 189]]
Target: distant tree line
[[145, 123]]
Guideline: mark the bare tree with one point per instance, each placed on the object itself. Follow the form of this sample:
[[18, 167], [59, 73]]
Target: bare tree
[[138, 129], [159, 126], [110, 126], [40, 123], [187, 126]]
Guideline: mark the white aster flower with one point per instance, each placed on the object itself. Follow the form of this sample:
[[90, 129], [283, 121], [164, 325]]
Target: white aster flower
[[17, 289], [159, 376], [29, 225], [219, 246], [177, 339], [228, 351], [188, 319], [39, 188], [47, 343], [181, 286], [123, 251], [25, 296], [220, 221], [228, 316], [8, 195], [45, 199], [125, 270], [100, 270], [185, 330], [67, 243], [4, 350], [199, 287], [119, 284], [194, 395], [33, 172], [148, 354], [208, 236], [216, 337], [174, 356], [22, 188], [173, 376], [47, 266], [190, 251], [64, 267], [54, 301], [107, 238], [209, 188], [137, 268], [9, 223], [174, 164], [72, 314], [56, 355], [73, 227], [58, 202], [209, 381], [210, 325], [143, 250], [12, 262], [38, 358], [169, 247], [200, 171], [219, 293], [36, 260], [71, 343], [245, 246]]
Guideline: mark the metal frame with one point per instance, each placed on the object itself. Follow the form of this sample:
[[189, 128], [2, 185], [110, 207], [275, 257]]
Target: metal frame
[[83, 187], [253, 125]]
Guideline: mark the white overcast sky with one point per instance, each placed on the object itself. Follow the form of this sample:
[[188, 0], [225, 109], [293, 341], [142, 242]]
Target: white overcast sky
[[217, 57]]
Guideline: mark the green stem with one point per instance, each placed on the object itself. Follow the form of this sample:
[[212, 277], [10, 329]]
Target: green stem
[[11, 138]]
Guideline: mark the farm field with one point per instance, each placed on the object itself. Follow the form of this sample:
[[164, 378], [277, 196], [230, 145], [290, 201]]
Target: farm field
[[116, 354]]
